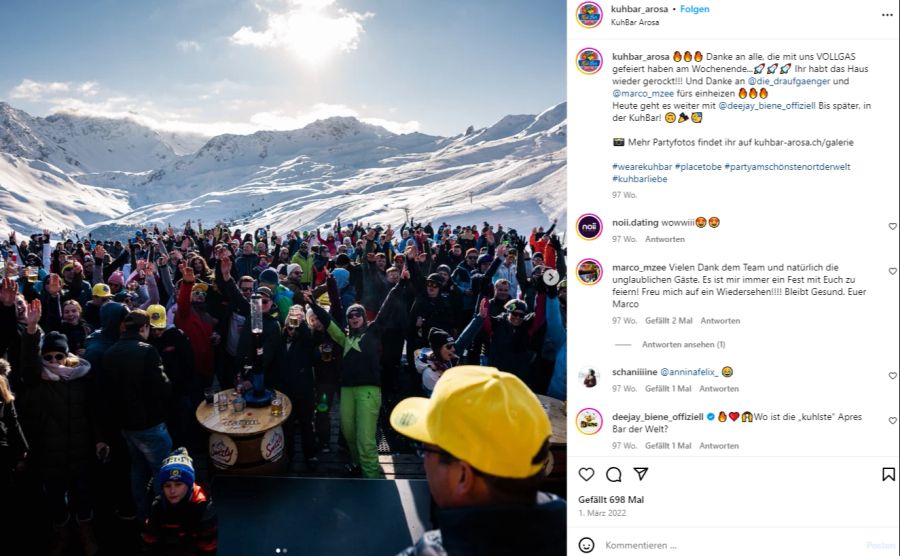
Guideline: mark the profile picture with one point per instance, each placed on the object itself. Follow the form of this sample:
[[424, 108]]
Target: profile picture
[[588, 377], [589, 272]]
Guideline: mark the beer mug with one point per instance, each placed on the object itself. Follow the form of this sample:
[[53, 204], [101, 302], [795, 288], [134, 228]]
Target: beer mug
[[325, 349], [222, 401], [294, 317], [277, 405], [31, 274]]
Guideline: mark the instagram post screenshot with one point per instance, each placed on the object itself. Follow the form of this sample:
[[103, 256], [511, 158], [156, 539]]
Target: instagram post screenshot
[[283, 277], [299, 276], [734, 338]]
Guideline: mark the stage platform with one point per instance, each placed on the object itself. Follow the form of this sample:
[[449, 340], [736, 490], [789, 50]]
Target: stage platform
[[299, 515]]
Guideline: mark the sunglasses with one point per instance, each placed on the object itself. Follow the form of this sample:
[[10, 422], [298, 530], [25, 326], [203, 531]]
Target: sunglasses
[[355, 316], [54, 356], [201, 294]]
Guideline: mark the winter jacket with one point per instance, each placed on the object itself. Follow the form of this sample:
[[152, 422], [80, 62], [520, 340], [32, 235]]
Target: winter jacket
[[361, 349], [198, 331], [557, 338], [76, 334], [177, 358], [135, 387], [188, 528], [57, 417], [306, 264], [272, 360]]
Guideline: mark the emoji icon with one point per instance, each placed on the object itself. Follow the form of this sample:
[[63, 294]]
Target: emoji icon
[[586, 545], [710, 416], [714, 223], [726, 371], [771, 69], [734, 415], [746, 417], [759, 68], [687, 56], [785, 68], [722, 417], [682, 118], [697, 117], [618, 141], [670, 117], [676, 57], [701, 222], [753, 92], [742, 93], [763, 93], [698, 56]]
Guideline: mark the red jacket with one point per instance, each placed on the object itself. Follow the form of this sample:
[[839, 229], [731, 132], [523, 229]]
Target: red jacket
[[189, 527], [197, 331]]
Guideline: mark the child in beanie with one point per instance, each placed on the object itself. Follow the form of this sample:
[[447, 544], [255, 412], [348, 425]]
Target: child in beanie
[[182, 520]]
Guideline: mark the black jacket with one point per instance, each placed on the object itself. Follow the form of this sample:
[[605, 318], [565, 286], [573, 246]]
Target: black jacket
[[178, 359], [361, 365], [134, 385], [57, 418]]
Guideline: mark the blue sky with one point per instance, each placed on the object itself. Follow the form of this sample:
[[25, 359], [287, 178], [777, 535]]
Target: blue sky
[[217, 66]]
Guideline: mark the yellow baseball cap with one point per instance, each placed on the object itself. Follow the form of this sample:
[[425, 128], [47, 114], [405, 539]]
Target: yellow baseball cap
[[157, 314], [101, 290], [480, 415]]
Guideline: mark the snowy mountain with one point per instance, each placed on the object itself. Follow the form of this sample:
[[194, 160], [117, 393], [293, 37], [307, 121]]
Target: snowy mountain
[[35, 195], [80, 144], [512, 172]]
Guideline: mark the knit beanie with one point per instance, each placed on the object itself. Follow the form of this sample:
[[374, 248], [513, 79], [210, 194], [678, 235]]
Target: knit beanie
[[268, 276], [178, 467], [55, 341], [437, 339]]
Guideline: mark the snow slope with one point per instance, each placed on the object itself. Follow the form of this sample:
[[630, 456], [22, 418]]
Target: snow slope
[[36, 195], [512, 172]]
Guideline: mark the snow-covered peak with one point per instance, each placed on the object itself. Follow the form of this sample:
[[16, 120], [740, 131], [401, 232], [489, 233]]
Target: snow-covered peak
[[82, 144]]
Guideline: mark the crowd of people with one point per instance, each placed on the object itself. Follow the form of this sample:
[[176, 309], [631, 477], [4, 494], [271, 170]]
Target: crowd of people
[[107, 348]]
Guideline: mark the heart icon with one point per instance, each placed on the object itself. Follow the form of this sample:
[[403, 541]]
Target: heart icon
[[734, 415], [892, 374], [892, 225], [586, 473], [892, 270], [893, 420]]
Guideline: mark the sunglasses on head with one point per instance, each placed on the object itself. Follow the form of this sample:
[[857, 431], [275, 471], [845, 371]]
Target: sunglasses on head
[[51, 356]]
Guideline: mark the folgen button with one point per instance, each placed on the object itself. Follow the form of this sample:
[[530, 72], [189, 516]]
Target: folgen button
[[589, 226]]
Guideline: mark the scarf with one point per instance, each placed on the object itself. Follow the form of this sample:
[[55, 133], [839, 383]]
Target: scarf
[[56, 373]]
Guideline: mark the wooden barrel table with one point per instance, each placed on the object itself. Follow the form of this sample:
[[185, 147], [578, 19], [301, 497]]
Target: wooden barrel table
[[556, 411], [249, 442]]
